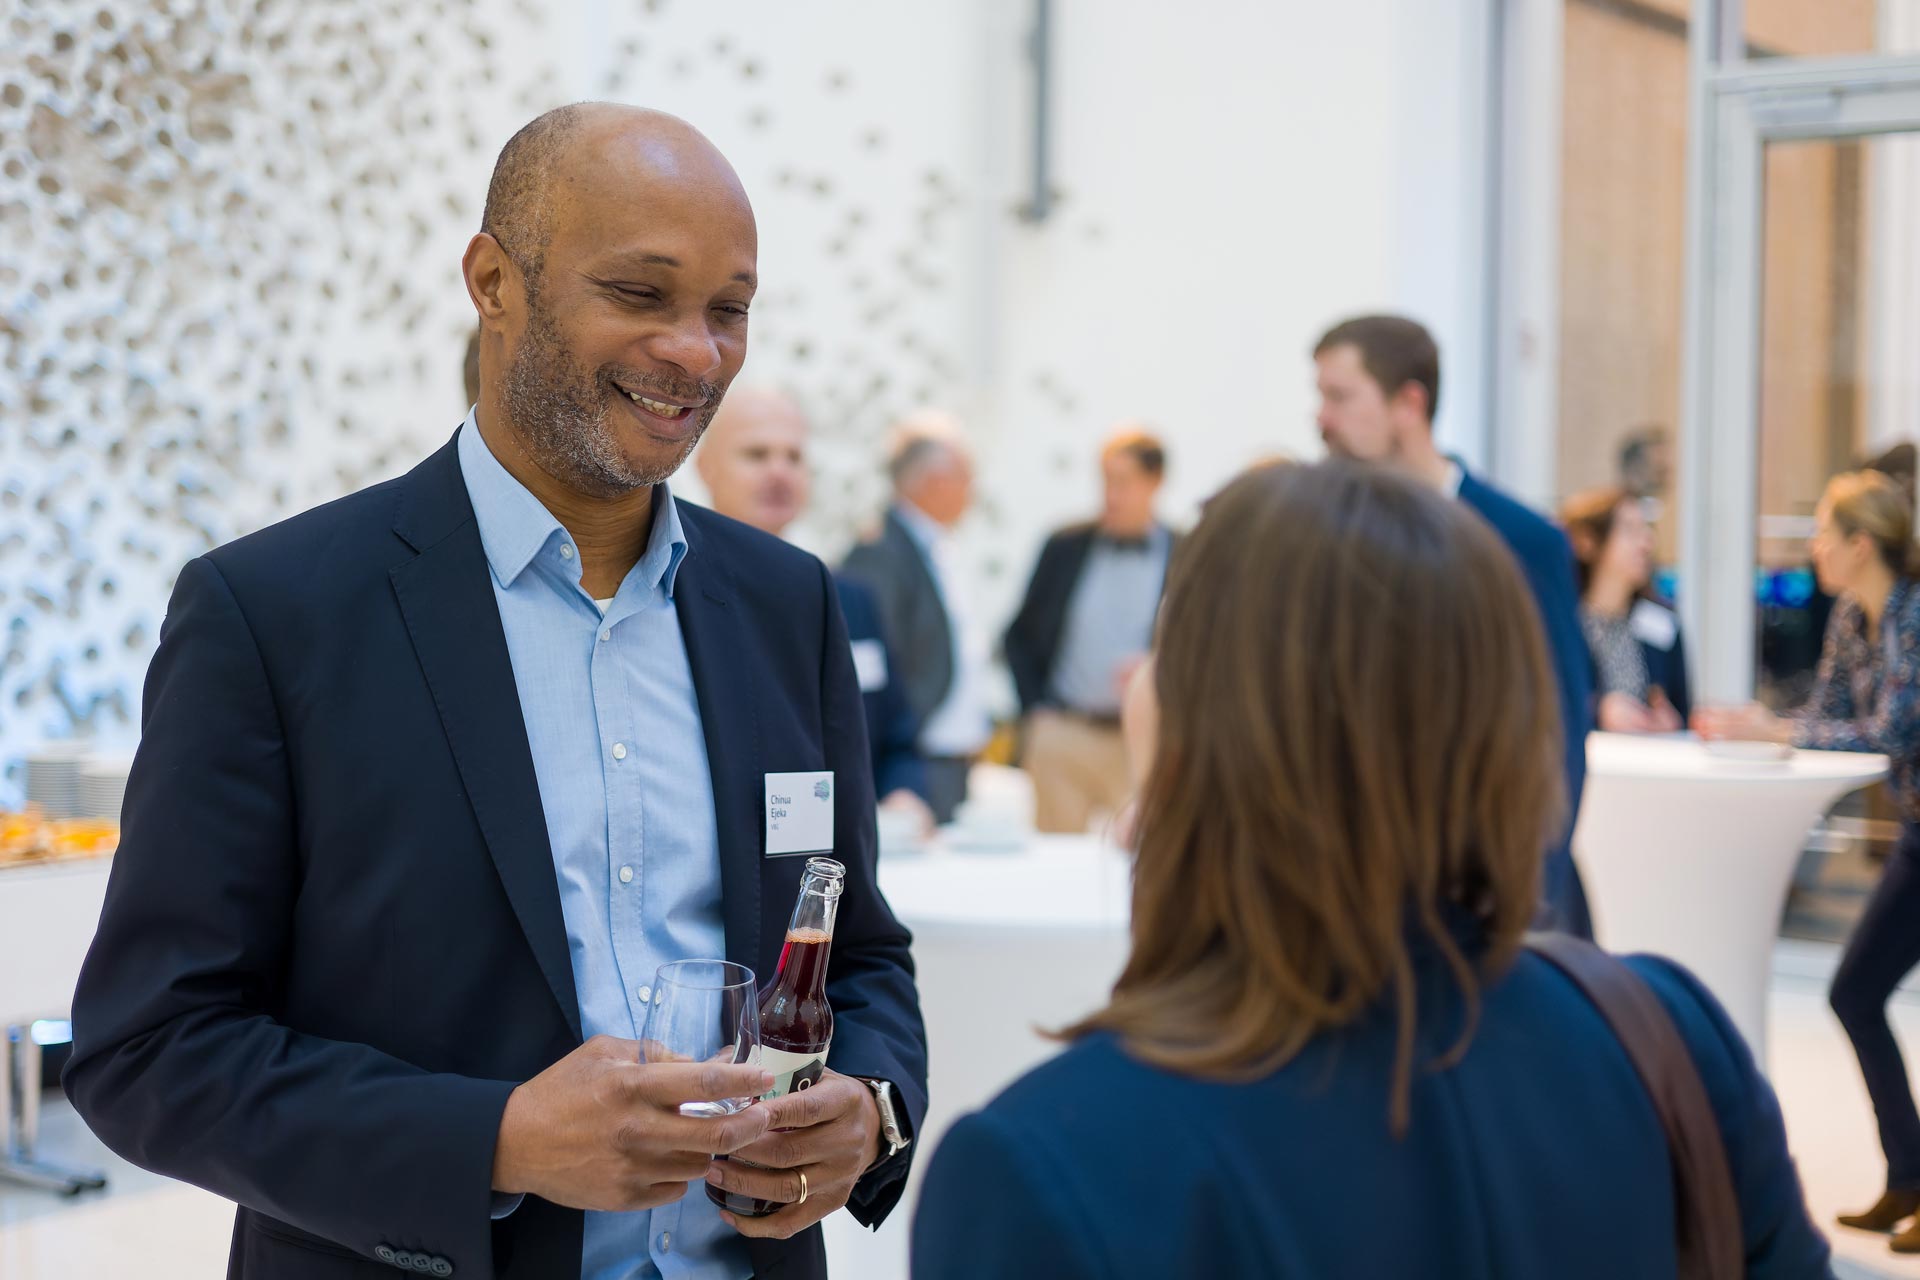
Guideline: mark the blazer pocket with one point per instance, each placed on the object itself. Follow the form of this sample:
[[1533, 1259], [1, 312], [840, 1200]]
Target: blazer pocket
[[274, 1229]]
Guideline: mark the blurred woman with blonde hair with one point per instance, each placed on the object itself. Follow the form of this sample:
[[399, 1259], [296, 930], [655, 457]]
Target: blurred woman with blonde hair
[[1866, 697], [1329, 1053]]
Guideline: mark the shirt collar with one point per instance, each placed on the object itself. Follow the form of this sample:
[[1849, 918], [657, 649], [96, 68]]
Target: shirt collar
[[1153, 541], [1456, 476], [926, 531], [515, 527]]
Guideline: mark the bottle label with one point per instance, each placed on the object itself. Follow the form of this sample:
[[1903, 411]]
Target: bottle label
[[792, 1072]]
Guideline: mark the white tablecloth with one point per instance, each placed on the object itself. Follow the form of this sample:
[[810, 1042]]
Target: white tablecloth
[[1690, 856], [1005, 944], [47, 918]]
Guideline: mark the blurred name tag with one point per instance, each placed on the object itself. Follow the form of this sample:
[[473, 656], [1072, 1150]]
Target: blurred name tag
[[870, 664], [1653, 625]]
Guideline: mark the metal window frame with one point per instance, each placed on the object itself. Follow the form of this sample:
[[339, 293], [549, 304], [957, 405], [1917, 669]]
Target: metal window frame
[[1739, 107]]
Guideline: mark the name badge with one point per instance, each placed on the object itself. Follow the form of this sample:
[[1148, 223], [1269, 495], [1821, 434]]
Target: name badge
[[799, 813], [1651, 624], [870, 664]]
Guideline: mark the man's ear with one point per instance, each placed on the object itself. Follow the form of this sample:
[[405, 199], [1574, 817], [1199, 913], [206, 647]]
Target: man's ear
[[491, 279], [1411, 399]]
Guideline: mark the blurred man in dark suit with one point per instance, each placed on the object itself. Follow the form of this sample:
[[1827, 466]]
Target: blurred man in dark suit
[[755, 466], [1085, 624], [914, 569], [435, 777], [1379, 383]]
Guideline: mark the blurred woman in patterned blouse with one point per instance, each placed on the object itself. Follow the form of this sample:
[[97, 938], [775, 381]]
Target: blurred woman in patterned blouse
[[1639, 664], [1867, 698]]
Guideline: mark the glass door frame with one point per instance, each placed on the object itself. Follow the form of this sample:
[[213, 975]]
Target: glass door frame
[[1739, 107]]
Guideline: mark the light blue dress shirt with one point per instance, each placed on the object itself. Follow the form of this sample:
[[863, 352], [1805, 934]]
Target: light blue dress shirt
[[1109, 621], [621, 761]]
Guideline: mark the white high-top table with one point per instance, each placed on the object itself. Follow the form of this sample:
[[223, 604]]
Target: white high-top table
[[1690, 856], [48, 913], [1005, 944]]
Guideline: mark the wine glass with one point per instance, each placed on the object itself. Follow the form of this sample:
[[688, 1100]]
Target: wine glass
[[704, 1011]]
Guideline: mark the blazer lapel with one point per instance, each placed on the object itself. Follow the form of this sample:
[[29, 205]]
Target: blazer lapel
[[723, 684], [907, 547], [927, 627], [446, 596]]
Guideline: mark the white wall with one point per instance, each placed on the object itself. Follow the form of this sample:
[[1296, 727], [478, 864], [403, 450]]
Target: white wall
[[1233, 175], [229, 289], [1236, 176], [280, 316], [856, 132]]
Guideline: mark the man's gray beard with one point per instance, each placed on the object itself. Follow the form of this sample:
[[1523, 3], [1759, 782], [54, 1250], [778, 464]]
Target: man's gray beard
[[562, 417]]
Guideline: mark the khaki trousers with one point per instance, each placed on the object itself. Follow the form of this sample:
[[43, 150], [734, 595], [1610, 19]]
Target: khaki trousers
[[1079, 770]]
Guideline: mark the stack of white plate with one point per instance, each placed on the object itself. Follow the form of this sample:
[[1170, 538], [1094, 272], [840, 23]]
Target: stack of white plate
[[53, 779], [103, 787]]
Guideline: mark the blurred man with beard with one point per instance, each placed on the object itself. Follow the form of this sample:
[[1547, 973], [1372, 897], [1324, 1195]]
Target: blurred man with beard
[[1379, 384], [434, 778]]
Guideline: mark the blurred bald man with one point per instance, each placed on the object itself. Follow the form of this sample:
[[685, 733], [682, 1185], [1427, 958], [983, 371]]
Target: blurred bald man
[[435, 778], [755, 466], [913, 567]]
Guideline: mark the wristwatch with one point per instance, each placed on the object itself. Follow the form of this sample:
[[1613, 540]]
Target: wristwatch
[[892, 1132]]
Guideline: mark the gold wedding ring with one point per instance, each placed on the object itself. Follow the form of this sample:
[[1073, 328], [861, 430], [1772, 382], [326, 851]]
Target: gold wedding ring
[[803, 1186]]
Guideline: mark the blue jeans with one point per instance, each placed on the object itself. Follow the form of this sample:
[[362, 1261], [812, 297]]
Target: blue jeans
[[1884, 948]]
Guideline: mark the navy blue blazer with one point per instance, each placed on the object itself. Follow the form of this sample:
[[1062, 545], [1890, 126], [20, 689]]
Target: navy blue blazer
[[1538, 1155], [332, 941], [892, 727], [1546, 558]]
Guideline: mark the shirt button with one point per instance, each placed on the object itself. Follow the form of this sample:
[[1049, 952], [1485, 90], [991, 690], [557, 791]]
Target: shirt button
[[619, 751], [645, 994], [566, 552], [605, 636], [626, 875], [666, 1241]]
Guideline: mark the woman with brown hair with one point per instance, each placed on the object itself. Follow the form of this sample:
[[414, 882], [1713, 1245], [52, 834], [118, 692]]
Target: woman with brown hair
[[1639, 664], [1866, 697], [1328, 1054]]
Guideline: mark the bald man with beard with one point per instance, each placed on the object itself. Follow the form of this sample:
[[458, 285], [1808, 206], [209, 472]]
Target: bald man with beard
[[435, 777]]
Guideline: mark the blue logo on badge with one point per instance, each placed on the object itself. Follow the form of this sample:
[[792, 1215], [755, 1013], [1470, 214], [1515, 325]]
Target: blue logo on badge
[[822, 789]]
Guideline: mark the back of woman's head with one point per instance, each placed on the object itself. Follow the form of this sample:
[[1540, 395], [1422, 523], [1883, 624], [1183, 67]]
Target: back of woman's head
[[1588, 519], [1874, 504], [1359, 744]]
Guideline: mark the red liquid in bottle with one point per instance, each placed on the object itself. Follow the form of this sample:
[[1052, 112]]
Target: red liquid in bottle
[[796, 1023]]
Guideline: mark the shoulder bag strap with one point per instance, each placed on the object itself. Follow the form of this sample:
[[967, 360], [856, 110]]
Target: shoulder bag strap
[[1708, 1212]]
